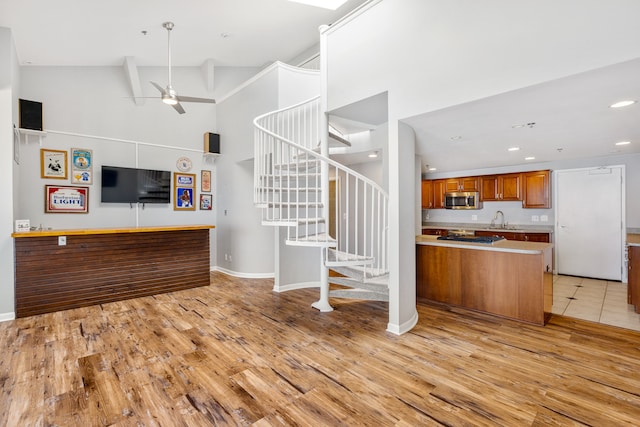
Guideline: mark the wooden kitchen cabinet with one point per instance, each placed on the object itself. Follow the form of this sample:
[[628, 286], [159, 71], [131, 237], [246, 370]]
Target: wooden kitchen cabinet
[[467, 183], [439, 188], [427, 194], [633, 279], [435, 231], [519, 236], [438, 274], [505, 187], [536, 190]]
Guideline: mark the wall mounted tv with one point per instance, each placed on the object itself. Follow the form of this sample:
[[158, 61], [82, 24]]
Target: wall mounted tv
[[132, 185]]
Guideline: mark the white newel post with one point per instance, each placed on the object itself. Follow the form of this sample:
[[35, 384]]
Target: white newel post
[[323, 303]]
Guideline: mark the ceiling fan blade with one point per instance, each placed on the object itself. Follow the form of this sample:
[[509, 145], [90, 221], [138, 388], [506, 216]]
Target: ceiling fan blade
[[195, 99], [178, 108], [157, 86]]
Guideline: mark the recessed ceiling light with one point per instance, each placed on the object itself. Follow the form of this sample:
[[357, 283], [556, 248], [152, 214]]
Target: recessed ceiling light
[[432, 169], [325, 4], [622, 104], [373, 155], [455, 138], [623, 143], [517, 126], [530, 158], [513, 148]]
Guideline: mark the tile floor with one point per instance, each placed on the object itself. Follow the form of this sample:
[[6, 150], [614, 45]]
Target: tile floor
[[595, 300]]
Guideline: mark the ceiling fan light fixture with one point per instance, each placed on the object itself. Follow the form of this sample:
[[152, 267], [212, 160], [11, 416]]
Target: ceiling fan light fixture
[[169, 101], [623, 143]]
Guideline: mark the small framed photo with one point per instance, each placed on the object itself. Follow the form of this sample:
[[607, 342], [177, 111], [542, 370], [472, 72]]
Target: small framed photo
[[205, 181], [206, 202], [184, 180], [66, 199], [183, 199], [53, 164], [81, 166]]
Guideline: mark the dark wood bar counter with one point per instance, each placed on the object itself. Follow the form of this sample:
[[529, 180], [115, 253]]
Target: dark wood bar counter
[[96, 266]]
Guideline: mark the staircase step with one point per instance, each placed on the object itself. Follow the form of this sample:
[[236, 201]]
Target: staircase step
[[337, 258], [319, 240], [359, 294], [302, 165], [292, 204], [289, 177], [353, 283], [360, 272], [292, 222]]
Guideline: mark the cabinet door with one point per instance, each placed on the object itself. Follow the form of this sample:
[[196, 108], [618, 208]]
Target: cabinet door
[[537, 237], [510, 186], [439, 189], [427, 194], [469, 183], [451, 185], [438, 274], [536, 189], [489, 188]]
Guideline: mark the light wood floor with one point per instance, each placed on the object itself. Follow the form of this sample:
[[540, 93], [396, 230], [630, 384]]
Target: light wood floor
[[235, 353]]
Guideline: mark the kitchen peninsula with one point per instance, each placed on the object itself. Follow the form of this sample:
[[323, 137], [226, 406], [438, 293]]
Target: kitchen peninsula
[[507, 278], [63, 269]]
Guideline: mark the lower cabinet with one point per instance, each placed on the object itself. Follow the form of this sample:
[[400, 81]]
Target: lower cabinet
[[510, 235], [509, 284]]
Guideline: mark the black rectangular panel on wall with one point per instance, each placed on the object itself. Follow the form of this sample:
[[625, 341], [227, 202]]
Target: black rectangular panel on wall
[[30, 114], [211, 143]]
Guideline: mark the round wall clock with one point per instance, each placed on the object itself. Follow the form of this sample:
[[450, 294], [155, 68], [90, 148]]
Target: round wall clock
[[184, 164]]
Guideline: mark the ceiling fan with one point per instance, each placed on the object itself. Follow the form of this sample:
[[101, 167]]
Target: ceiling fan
[[169, 95]]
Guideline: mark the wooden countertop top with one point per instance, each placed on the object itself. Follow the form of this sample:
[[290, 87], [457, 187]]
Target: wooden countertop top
[[109, 230], [633, 239], [499, 246]]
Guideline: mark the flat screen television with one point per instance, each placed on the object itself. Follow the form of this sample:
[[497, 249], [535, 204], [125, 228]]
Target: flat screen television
[[132, 185]]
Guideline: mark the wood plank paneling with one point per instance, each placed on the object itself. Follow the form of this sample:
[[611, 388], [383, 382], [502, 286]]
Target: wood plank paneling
[[94, 269]]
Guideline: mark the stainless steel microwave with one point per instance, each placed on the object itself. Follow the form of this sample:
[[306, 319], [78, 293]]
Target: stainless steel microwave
[[462, 200]]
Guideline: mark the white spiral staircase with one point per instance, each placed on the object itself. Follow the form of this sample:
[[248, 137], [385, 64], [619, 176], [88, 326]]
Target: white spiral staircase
[[291, 186]]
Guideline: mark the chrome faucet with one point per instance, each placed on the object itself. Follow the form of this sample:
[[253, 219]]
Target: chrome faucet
[[493, 221]]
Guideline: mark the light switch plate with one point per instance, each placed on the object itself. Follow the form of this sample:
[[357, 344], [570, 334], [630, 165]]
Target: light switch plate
[[544, 218], [474, 217], [535, 218]]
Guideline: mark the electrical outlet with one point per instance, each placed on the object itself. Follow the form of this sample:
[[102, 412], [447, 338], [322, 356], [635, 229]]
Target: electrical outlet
[[230, 259], [535, 218], [544, 218], [62, 240], [474, 217], [226, 257]]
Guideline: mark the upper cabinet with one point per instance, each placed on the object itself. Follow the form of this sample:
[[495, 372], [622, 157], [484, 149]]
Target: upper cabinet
[[467, 183], [536, 189], [532, 188], [439, 188], [427, 194], [501, 187]]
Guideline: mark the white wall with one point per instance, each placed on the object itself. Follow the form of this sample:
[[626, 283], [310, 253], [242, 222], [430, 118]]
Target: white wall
[[8, 104], [249, 246]]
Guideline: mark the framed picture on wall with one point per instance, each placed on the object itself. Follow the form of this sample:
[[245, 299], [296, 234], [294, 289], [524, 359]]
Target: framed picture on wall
[[206, 202], [205, 181], [53, 164], [66, 199], [81, 166], [184, 191]]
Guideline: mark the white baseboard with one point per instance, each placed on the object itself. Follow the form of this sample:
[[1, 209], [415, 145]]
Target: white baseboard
[[294, 286], [244, 275], [5, 317], [404, 327]]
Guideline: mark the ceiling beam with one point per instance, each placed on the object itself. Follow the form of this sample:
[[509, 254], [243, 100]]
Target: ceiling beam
[[208, 73], [131, 71]]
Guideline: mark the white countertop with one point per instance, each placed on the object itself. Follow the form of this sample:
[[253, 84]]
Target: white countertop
[[499, 246], [633, 239], [512, 228]]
